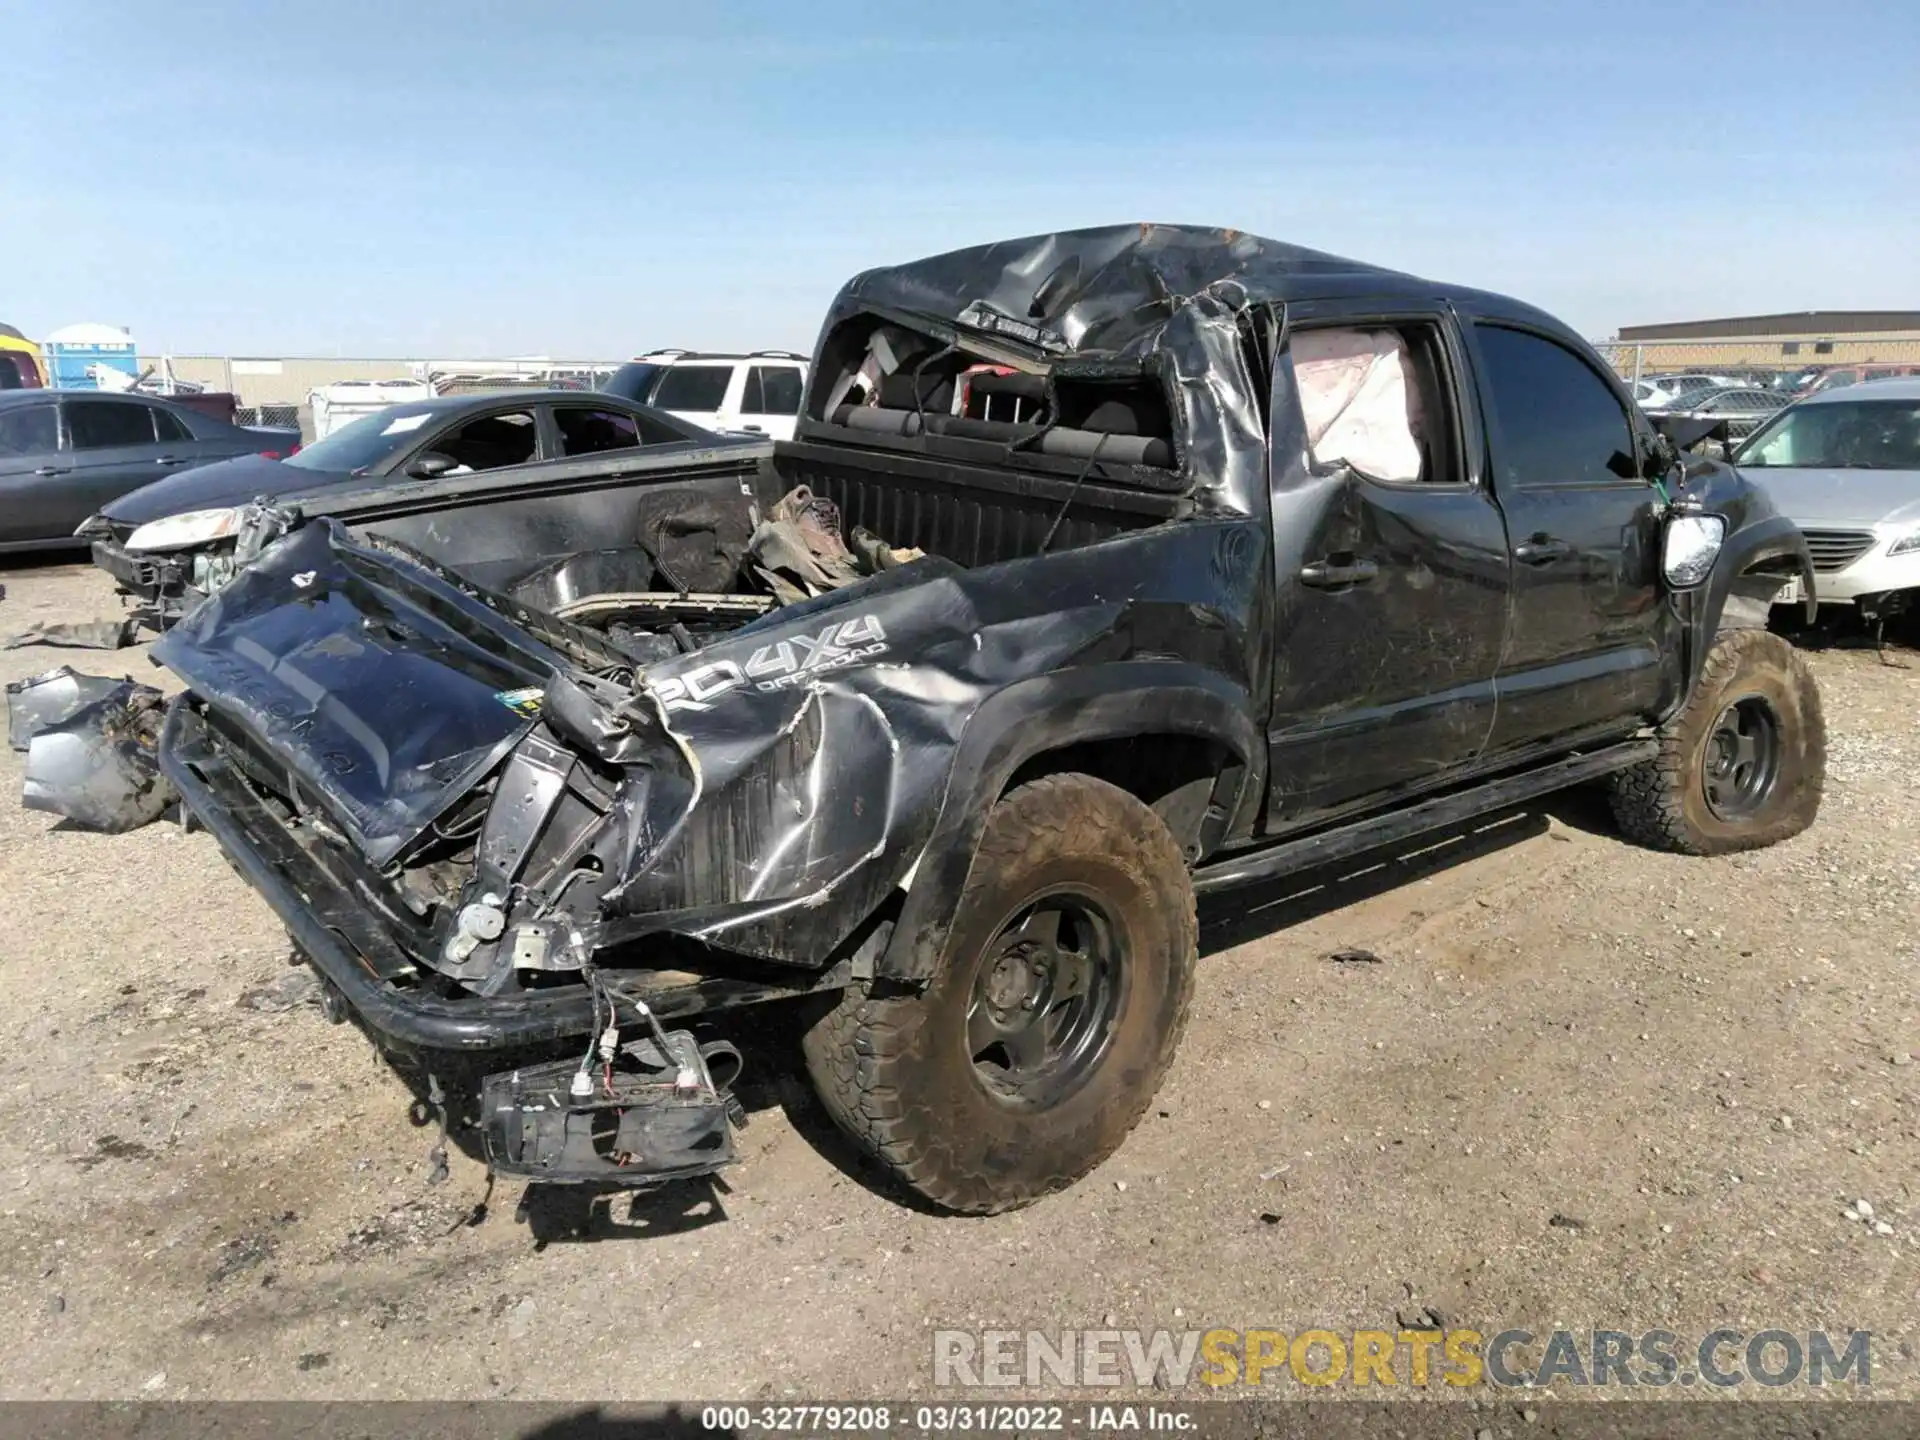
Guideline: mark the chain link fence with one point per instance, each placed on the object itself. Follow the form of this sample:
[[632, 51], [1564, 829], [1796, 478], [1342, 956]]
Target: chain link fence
[[1743, 382], [277, 391], [282, 417], [1761, 357]]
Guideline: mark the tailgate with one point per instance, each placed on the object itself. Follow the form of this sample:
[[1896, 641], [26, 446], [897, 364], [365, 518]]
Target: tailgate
[[385, 692]]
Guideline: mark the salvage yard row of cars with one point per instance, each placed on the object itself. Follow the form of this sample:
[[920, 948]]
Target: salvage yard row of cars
[[1101, 570]]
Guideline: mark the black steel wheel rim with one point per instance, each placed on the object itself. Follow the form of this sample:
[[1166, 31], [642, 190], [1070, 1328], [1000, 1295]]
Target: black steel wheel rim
[[1742, 762], [1046, 999]]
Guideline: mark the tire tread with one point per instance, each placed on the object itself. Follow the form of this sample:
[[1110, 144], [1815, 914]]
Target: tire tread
[[855, 1053], [1649, 798]]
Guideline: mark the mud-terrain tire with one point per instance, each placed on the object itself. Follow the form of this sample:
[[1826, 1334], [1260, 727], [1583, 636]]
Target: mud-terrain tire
[[947, 1086], [1711, 789]]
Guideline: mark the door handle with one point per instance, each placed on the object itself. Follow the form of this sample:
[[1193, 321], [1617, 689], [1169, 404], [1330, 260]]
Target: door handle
[[170, 460], [1541, 550], [1331, 575], [54, 470], [754, 429]]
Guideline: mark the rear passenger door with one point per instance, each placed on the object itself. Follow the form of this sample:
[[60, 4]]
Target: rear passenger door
[[113, 448], [770, 404], [1391, 567], [1589, 648], [32, 467]]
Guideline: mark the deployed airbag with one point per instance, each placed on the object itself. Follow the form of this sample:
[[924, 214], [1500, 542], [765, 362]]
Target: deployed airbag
[[1359, 409]]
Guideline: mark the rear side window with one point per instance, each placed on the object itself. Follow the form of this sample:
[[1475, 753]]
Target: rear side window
[[28, 430], [1560, 423], [588, 432], [170, 429], [633, 381], [772, 390], [103, 425], [692, 387]]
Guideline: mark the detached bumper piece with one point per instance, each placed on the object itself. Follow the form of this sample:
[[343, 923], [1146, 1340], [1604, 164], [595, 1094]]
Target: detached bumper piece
[[37, 704], [648, 1116], [149, 576], [91, 746]]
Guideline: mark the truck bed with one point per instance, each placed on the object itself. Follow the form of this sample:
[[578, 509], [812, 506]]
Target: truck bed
[[971, 514]]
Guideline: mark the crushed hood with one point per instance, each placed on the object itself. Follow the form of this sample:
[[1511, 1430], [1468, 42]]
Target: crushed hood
[[385, 694]]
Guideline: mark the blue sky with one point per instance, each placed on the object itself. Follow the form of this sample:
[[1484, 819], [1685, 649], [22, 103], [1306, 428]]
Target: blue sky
[[479, 178]]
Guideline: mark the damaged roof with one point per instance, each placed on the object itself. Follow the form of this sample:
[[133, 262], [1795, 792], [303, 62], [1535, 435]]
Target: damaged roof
[[1109, 288]]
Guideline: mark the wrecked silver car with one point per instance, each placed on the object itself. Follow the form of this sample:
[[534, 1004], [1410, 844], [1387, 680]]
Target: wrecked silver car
[[1105, 568]]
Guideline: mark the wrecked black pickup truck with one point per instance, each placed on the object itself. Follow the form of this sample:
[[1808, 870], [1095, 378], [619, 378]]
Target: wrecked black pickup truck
[[1146, 561]]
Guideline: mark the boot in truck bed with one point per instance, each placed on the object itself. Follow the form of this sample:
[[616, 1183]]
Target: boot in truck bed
[[1103, 566]]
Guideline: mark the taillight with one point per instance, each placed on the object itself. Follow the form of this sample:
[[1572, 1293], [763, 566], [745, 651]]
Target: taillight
[[269, 454]]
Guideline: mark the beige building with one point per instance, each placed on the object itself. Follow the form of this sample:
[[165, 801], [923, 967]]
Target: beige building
[[1782, 342]]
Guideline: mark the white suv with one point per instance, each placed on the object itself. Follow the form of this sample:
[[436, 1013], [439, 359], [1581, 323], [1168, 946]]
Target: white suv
[[757, 394]]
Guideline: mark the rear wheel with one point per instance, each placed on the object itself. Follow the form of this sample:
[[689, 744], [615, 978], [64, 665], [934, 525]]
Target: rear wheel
[[1053, 1016], [1742, 765]]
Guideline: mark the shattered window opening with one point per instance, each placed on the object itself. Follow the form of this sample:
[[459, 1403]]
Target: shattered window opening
[[889, 382]]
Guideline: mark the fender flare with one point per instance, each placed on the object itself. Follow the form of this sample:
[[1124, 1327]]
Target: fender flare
[[1028, 718], [1767, 539]]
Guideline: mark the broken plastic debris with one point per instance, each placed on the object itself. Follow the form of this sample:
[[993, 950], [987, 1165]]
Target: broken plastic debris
[[48, 699], [99, 767], [1354, 956], [77, 635]]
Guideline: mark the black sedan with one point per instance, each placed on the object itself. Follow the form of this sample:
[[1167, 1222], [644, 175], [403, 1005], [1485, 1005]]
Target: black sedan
[[64, 454], [410, 467]]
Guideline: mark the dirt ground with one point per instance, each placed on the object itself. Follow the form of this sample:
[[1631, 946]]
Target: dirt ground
[[1695, 1065]]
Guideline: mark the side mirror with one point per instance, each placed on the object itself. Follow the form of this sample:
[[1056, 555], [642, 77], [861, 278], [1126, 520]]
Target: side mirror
[[1686, 431], [431, 466], [1659, 457]]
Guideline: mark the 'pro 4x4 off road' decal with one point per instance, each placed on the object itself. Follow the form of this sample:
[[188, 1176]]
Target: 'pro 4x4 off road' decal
[[778, 665]]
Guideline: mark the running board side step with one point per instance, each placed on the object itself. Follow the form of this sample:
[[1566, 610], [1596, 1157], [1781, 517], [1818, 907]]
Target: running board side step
[[1351, 839]]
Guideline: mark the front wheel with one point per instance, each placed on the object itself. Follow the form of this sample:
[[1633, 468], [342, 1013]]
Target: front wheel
[[1061, 994], [1743, 763]]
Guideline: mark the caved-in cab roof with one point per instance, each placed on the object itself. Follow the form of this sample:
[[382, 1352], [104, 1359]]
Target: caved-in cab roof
[[1104, 290], [1190, 313]]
